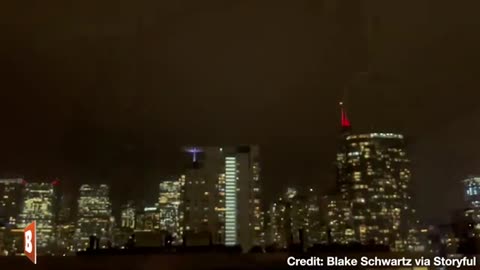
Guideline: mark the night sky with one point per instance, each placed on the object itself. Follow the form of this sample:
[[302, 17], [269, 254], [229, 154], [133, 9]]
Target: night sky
[[107, 91]]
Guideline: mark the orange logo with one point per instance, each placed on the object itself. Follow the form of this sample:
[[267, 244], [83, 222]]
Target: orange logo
[[30, 242]]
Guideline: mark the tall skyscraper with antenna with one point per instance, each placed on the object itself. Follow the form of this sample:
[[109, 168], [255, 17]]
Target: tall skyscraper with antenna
[[373, 181], [222, 195], [339, 225]]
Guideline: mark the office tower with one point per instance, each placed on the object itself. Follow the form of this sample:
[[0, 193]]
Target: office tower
[[338, 229], [65, 234], [375, 180], [222, 195], [296, 215], [10, 201], [295, 218], [472, 191], [13, 242], [64, 214], [373, 187], [127, 226], [128, 215], [472, 199], [148, 219], [260, 234], [341, 160], [316, 232], [169, 204], [38, 206], [289, 216], [94, 217], [243, 223], [64, 227], [276, 229], [202, 184], [419, 239], [148, 224]]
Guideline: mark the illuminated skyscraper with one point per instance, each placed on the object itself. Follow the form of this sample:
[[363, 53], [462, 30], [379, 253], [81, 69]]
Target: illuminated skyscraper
[[276, 227], [472, 191], [38, 206], [199, 201], [222, 195], [373, 181], [169, 204], [243, 213], [346, 129], [10, 201], [64, 215], [316, 231], [472, 198], [375, 176], [149, 219], [94, 215], [128, 215], [339, 229], [65, 227], [288, 217], [294, 216]]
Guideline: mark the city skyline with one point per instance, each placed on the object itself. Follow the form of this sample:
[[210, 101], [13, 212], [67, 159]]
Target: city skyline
[[240, 134], [111, 99], [221, 187], [196, 151]]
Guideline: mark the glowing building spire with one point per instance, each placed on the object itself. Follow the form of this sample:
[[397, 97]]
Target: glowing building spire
[[194, 151], [344, 119]]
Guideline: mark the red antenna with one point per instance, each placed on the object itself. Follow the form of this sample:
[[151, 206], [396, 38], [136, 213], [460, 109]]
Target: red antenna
[[344, 119]]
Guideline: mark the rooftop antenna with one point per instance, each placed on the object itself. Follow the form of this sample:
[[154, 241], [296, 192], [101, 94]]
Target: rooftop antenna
[[194, 151], [344, 122]]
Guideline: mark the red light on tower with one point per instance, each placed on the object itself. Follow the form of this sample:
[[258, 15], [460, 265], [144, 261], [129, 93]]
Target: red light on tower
[[344, 119], [56, 182]]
